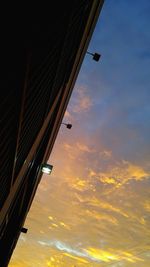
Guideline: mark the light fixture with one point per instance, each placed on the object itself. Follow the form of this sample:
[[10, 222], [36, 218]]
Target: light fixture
[[96, 56], [46, 168], [68, 125], [24, 230]]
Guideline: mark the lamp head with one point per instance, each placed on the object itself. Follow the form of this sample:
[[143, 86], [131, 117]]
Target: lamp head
[[69, 126], [46, 168], [24, 230], [96, 56]]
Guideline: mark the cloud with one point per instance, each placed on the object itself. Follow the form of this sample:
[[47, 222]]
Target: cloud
[[75, 258], [112, 255], [64, 247], [67, 115], [136, 172], [147, 205], [91, 253], [84, 148], [106, 154], [120, 174], [81, 102], [103, 205], [99, 216], [77, 149]]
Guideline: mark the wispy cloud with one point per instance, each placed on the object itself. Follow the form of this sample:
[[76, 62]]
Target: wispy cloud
[[92, 254], [81, 102]]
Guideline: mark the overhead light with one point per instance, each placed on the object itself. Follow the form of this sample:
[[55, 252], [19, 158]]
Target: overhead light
[[96, 56], [46, 168], [68, 125]]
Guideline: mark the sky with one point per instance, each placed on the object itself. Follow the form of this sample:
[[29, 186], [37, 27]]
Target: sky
[[94, 209]]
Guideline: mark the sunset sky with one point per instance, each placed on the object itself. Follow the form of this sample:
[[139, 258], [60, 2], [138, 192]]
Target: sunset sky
[[94, 209]]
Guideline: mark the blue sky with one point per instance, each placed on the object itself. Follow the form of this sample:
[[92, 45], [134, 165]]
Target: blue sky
[[120, 82]]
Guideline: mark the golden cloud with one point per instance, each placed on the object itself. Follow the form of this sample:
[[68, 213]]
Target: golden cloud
[[106, 206], [147, 205], [135, 171], [80, 184], [101, 255], [102, 217], [120, 174], [111, 255], [78, 259]]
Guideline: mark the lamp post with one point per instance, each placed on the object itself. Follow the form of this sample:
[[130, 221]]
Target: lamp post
[[96, 56], [68, 125]]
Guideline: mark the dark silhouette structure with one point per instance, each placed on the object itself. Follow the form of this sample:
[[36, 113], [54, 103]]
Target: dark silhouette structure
[[42, 51]]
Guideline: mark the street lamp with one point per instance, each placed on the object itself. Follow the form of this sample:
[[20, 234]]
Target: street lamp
[[46, 168], [96, 56], [68, 125]]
